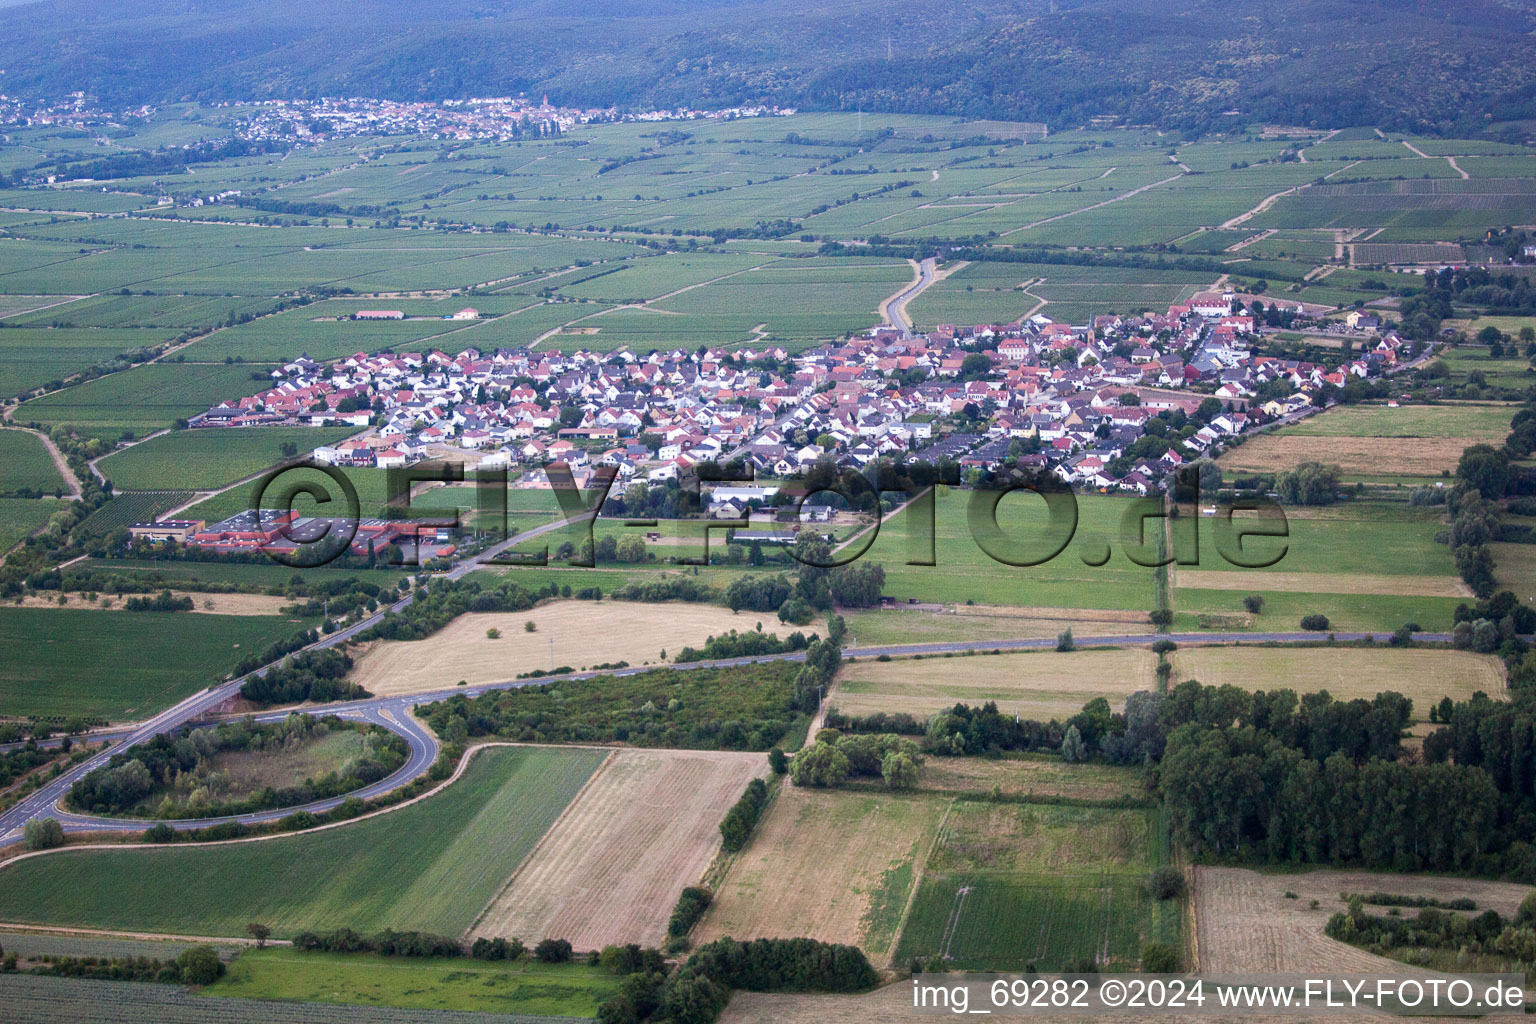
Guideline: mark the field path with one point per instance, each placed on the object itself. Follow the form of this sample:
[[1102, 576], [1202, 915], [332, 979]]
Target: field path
[[59, 463], [98, 474], [106, 933], [1416, 150], [1457, 168], [1243, 218]]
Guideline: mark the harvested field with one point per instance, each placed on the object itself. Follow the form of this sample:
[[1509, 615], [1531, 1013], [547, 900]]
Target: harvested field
[[1355, 456], [1324, 583], [830, 865], [1040, 684], [584, 633], [610, 869], [1244, 922], [1424, 676], [208, 604], [911, 625]]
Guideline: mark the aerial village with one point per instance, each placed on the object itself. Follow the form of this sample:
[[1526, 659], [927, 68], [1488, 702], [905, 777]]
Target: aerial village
[[1114, 405]]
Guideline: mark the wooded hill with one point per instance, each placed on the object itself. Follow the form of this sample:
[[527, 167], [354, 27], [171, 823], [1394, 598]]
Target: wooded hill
[[1404, 64]]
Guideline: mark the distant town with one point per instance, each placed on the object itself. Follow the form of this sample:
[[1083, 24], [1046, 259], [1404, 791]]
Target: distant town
[[491, 118]]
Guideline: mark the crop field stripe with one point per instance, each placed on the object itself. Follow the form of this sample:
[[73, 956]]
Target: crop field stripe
[[522, 865]]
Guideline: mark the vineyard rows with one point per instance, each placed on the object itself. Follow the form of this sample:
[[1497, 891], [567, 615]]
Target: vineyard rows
[[132, 507]]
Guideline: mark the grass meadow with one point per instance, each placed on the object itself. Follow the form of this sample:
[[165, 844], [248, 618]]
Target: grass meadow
[[524, 988], [121, 665], [965, 572]]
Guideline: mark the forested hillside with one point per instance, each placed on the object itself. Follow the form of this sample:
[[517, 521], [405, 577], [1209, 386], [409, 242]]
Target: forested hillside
[[1407, 64]]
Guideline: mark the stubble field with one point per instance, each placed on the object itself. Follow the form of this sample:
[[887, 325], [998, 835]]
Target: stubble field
[[1424, 676], [609, 871], [1040, 685], [835, 866], [584, 633], [1244, 922]]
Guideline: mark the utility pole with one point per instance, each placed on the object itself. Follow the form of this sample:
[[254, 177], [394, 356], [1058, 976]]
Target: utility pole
[[551, 654]]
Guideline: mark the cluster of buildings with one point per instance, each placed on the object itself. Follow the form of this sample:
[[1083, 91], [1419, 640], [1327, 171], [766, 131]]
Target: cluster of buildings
[[273, 531], [1112, 404], [493, 118], [73, 111]]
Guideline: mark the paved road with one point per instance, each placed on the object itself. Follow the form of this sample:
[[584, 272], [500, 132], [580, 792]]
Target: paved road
[[394, 713], [894, 309]]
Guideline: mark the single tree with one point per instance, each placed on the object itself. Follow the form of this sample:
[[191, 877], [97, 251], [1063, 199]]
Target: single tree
[[1073, 749]]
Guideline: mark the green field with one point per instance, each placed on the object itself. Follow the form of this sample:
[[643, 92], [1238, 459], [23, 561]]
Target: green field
[[1477, 423], [121, 665], [432, 865], [21, 517], [1009, 886], [209, 458], [1377, 538], [32, 357], [526, 987], [26, 465], [964, 572], [1367, 566]]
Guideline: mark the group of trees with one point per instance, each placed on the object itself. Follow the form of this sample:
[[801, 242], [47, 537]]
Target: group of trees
[[181, 770], [318, 676], [822, 660], [1267, 777], [745, 645], [748, 707], [691, 904], [736, 828], [833, 758], [1433, 928], [165, 601], [697, 991], [445, 600], [195, 965], [388, 942], [1310, 483]]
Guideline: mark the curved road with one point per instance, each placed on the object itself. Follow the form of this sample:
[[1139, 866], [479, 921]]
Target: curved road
[[394, 713], [41, 803]]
